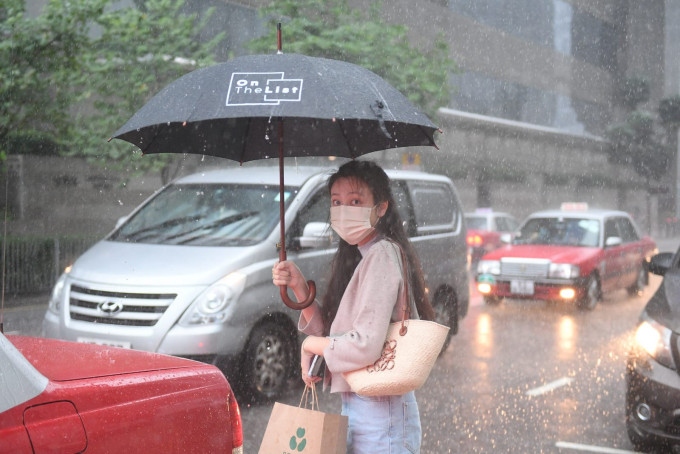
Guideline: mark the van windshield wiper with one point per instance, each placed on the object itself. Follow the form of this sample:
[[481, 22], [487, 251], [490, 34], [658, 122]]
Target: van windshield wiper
[[154, 230], [213, 225]]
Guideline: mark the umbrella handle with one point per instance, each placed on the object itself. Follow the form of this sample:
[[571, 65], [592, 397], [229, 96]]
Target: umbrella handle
[[301, 305]]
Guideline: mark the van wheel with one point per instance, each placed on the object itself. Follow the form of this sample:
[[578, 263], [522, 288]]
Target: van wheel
[[268, 360], [640, 282], [588, 301], [446, 313]]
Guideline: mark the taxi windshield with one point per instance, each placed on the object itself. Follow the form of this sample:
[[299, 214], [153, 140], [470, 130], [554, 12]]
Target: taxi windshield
[[560, 232], [205, 215]]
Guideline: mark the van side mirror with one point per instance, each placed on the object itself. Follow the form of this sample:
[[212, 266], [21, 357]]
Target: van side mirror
[[612, 241], [506, 238], [660, 263], [316, 235]]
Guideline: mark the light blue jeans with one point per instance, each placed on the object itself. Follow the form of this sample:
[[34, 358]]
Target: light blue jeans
[[382, 424]]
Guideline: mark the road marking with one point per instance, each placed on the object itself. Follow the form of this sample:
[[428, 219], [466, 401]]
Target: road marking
[[590, 448], [564, 381]]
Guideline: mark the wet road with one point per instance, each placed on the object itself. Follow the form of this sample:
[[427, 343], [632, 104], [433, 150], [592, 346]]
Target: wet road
[[521, 377]]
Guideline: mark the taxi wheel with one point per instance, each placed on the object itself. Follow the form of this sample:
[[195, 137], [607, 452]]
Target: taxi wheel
[[493, 300], [640, 282], [592, 295]]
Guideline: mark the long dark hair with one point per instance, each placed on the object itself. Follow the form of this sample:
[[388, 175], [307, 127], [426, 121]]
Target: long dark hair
[[390, 226]]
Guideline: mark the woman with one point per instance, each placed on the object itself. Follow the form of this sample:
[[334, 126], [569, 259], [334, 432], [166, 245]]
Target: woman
[[365, 294]]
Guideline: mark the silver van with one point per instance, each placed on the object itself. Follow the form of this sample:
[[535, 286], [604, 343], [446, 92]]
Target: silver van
[[188, 272]]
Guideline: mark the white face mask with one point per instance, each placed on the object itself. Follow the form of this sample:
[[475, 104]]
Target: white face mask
[[352, 223]]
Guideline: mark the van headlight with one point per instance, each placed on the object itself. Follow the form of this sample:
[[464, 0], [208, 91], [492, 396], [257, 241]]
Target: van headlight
[[655, 339], [211, 306], [564, 271], [57, 294], [489, 267]]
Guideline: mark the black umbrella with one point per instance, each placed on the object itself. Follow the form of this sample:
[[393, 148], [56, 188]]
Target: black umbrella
[[240, 110]]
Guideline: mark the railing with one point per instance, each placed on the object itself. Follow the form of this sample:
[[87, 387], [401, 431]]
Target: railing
[[33, 264]]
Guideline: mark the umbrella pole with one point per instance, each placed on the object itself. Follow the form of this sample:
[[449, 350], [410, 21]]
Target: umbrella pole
[[282, 249]]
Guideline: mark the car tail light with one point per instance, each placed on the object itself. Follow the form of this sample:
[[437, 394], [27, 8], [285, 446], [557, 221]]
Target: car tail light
[[236, 426], [475, 240]]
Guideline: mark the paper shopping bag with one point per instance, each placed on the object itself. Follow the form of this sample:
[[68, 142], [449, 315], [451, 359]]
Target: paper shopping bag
[[293, 430]]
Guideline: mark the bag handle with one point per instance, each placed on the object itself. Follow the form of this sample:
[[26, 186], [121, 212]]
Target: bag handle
[[309, 399], [407, 291]]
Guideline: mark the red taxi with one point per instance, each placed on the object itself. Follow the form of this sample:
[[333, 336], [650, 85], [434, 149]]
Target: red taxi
[[59, 396], [573, 254]]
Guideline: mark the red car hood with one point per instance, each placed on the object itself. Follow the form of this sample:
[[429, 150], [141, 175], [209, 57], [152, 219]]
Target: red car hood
[[78, 361], [556, 254]]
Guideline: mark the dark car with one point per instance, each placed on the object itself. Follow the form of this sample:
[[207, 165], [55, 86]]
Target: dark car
[[653, 366], [59, 396]]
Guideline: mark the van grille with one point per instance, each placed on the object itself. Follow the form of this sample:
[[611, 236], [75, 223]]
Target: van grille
[[118, 308], [525, 267]]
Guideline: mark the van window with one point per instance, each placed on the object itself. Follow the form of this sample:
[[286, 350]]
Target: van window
[[316, 210], [434, 207], [205, 215], [403, 202]]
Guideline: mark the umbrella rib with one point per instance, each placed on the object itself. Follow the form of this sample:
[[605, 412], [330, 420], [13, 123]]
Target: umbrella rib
[[346, 137], [245, 141]]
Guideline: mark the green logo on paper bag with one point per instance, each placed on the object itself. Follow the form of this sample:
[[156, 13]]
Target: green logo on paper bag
[[298, 445]]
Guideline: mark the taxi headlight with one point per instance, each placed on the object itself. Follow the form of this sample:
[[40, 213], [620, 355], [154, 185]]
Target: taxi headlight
[[211, 306], [655, 339], [563, 271], [489, 267]]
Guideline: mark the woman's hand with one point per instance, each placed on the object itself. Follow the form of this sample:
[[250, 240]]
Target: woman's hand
[[288, 274], [305, 362]]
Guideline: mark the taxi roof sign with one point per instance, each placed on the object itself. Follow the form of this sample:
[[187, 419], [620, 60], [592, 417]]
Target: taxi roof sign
[[574, 206]]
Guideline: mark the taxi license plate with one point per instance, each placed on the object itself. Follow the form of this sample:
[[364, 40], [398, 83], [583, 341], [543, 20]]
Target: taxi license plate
[[108, 343], [522, 287]]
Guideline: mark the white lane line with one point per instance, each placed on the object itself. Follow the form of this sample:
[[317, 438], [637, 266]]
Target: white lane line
[[564, 381], [590, 448]]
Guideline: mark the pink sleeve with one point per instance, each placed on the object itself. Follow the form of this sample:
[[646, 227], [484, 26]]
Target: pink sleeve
[[372, 298]]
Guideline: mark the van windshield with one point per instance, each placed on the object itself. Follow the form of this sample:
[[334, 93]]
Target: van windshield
[[205, 215]]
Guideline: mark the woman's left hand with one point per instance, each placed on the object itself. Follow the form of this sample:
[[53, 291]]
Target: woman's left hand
[[305, 363]]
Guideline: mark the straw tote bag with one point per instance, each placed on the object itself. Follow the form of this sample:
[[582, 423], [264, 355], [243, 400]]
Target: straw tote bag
[[409, 353]]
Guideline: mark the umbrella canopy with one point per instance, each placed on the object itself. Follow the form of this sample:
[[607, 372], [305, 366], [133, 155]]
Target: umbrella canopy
[[231, 110], [241, 109]]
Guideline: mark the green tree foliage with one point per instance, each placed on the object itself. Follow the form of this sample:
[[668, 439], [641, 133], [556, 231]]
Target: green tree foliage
[[332, 29], [634, 143], [74, 74], [140, 51], [669, 111], [39, 58]]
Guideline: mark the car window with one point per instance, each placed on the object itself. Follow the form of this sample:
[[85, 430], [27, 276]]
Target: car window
[[403, 201], [505, 224], [560, 232], [628, 232], [316, 210], [477, 222], [610, 229], [434, 207]]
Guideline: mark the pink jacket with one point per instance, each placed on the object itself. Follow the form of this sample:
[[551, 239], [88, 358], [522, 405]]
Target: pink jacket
[[366, 310]]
